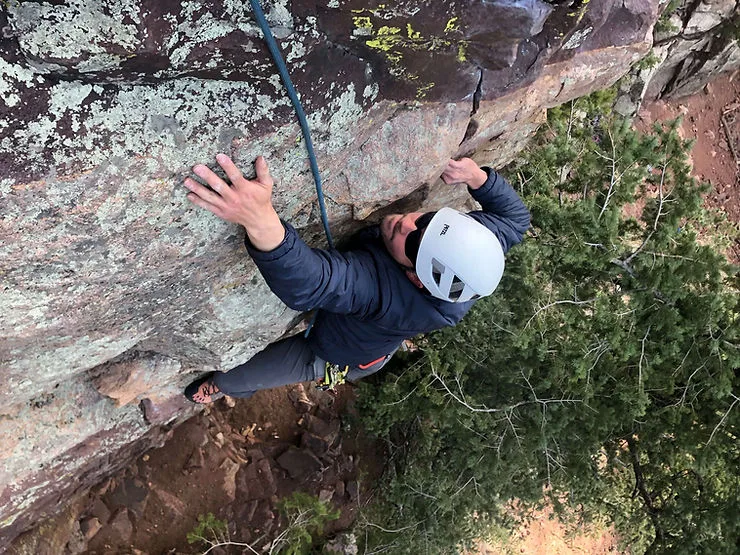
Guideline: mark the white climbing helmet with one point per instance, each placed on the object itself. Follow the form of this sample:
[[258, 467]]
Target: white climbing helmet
[[459, 258]]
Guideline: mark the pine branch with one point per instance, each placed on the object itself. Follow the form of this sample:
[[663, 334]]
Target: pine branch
[[387, 531], [675, 256], [681, 401], [628, 260], [507, 415], [421, 492], [601, 348], [660, 196], [613, 179], [627, 268], [484, 409], [723, 418], [662, 199], [642, 357], [570, 119], [640, 488], [553, 304], [227, 543], [409, 394]]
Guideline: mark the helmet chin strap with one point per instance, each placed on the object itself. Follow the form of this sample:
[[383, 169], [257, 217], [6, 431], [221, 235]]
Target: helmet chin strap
[[413, 277], [411, 274]]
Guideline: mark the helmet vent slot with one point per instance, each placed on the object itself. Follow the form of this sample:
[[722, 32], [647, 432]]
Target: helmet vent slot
[[456, 288], [457, 284], [437, 271]]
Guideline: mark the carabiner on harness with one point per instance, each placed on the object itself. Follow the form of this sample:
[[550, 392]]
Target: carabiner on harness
[[334, 375]]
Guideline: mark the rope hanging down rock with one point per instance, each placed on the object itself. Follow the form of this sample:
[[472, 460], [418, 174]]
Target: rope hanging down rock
[[290, 89]]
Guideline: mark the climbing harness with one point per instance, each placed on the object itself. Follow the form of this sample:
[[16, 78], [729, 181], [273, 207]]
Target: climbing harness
[[334, 375], [290, 89]]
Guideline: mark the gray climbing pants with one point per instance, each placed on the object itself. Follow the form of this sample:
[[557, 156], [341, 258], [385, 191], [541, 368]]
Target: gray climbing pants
[[287, 361]]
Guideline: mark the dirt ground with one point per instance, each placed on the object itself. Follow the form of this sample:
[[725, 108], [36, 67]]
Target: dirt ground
[[716, 153], [237, 459], [545, 535]]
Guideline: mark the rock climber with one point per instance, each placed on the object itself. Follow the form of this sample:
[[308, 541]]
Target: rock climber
[[411, 274]]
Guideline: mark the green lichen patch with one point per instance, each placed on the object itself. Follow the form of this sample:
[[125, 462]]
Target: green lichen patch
[[452, 25], [394, 43]]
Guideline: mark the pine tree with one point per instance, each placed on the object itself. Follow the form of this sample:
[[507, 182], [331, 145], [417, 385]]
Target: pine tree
[[600, 376]]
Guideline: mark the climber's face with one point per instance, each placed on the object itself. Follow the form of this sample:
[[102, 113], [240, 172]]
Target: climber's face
[[395, 230]]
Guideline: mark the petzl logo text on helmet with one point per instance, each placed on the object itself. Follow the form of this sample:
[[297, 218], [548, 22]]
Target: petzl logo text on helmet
[[444, 229]]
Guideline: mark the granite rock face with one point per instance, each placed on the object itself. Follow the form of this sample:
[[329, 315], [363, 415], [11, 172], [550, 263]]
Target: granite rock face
[[695, 43], [116, 291]]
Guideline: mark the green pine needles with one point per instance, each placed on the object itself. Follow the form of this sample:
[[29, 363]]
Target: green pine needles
[[304, 518], [601, 376], [209, 531]]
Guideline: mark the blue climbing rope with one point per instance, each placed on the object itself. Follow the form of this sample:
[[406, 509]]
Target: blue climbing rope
[[283, 70]]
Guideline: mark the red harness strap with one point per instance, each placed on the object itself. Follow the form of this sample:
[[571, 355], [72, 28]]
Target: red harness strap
[[369, 364]]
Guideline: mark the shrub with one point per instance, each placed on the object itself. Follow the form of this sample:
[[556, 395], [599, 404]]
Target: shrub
[[306, 517], [209, 531], [601, 376]]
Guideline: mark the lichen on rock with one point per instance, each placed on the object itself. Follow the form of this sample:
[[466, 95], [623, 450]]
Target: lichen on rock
[[116, 291]]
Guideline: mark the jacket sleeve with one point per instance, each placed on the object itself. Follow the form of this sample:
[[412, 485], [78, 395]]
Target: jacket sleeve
[[305, 278], [503, 212]]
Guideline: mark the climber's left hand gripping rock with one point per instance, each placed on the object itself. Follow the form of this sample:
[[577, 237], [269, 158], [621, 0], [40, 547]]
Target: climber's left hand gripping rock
[[245, 202]]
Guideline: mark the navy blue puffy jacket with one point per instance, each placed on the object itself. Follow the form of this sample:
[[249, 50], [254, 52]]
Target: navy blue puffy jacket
[[367, 304]]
